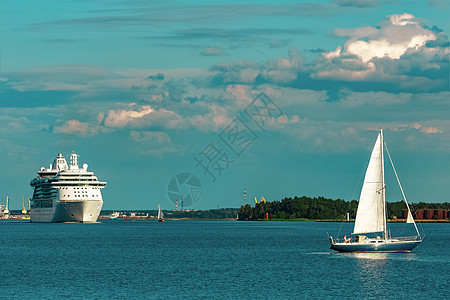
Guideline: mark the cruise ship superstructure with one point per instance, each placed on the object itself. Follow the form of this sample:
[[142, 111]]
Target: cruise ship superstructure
[[66, 193]]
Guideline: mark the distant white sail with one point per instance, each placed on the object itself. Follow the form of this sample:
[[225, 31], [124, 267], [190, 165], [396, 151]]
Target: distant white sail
[[410, 218], [370, 216], [160, 213]]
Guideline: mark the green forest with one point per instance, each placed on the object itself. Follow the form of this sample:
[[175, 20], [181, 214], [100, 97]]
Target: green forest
[[320, 208]]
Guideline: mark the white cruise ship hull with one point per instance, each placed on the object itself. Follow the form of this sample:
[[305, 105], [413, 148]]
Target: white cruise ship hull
[[84, 211]]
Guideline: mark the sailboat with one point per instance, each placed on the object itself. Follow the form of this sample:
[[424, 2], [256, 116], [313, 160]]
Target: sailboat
[[371, 213], [160, 214]]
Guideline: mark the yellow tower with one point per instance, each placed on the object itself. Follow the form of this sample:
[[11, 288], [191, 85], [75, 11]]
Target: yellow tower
[[6, 211], [24, 211]]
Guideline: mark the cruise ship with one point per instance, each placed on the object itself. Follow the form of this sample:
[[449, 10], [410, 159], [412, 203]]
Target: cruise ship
[[66, 193]]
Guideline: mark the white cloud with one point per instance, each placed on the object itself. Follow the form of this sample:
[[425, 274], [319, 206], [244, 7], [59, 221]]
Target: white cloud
[[242, 71], [427, 130], [419, 127], [76, 127], [283, 69], [241, 93], [121, 117], [402, 54], [397, 34], [216, 118], [283, 119]]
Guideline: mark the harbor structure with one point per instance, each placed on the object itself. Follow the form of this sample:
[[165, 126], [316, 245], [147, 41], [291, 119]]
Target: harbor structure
[[428, 214], [24, 211], [6, 213]]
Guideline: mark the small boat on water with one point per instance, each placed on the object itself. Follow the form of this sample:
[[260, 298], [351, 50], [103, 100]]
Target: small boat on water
[[371, 213], [116, 216], [160, 214]]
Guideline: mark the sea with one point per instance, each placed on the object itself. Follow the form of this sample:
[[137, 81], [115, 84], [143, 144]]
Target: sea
[[212, 260]]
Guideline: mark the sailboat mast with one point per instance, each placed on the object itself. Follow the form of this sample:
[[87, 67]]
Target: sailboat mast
[[384, 184], [401, 188]]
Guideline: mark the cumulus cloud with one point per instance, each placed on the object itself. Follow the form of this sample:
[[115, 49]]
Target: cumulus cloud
[[121, 117], [283, 69], [214, 119], [402, 54], [241, 71], [240, 92], [426, 130], [417, 126], [283, 119], [401, 51], [278, 70], [76, 127], [397, 34], [141, 116]]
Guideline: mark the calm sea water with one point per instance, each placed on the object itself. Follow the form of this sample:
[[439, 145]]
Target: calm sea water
[[213, 260]]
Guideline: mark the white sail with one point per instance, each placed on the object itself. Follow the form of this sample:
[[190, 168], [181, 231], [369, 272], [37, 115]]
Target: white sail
[[410, 218], [160, 213], [370, 216]]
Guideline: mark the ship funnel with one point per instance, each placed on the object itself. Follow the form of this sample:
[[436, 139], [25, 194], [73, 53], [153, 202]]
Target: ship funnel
[[73, 160], [59, 163]]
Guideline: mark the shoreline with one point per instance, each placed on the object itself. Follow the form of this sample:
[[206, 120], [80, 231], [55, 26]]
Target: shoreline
[[134, 218]]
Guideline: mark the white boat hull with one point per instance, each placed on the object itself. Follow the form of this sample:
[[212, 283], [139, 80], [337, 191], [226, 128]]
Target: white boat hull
[[85, 211], [378, 246]]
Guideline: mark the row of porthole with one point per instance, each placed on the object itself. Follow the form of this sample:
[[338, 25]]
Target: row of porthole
[[81, 195], [83, 188]]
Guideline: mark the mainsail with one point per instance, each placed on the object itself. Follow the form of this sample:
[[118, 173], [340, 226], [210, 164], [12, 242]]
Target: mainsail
[[371, 216], [160, 213]]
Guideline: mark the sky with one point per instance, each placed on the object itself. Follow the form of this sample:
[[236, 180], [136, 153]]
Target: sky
[[206, 99]]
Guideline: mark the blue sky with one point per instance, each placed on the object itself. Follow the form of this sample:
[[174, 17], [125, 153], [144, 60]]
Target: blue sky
[[141, 89]]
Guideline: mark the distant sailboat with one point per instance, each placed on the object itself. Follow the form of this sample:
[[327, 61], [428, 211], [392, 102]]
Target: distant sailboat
[[371, 214], [160, 214]]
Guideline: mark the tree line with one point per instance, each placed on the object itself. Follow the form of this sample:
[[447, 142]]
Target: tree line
[[321, 208]]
